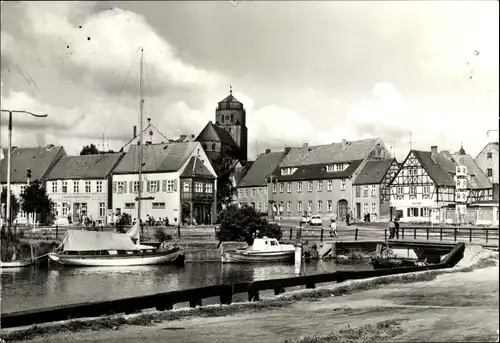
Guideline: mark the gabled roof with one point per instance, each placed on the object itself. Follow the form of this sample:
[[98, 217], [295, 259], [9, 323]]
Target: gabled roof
[[494, 145], [39, 160], [156, 158], [373, 172], [146, 137], [199, 169], [317, 172], [477, 179], [330, 153], [212, 132], [97, 166], [263, 166], [435, 170]]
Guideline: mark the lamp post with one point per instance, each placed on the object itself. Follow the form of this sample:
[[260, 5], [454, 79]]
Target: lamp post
[[8, 209]]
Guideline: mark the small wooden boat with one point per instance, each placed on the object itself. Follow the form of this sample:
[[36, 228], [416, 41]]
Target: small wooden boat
[[98, 248], [385, 263], [262, 250], [17, 263]]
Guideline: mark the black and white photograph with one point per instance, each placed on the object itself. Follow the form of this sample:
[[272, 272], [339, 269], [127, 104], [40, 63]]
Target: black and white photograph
[[249, 171]]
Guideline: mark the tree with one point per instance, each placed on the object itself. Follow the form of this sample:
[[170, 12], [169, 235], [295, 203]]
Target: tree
[[243, 224], [14, 204], [36, 200], [224, 167], [89, 150]]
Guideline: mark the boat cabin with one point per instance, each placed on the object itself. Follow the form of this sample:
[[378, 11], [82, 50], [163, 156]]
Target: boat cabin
[[265, 244]]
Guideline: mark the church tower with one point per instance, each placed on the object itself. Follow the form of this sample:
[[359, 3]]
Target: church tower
[[230, 115]]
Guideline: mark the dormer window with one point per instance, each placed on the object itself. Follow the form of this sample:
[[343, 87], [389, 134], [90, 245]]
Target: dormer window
[[336, 167], [329, 168], [288, 171]]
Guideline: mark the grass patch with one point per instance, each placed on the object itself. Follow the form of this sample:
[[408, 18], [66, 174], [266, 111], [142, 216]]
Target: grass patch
[[368, 333]]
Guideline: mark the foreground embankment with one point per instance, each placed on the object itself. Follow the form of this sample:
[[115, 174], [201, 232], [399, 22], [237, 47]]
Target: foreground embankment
[[458, 304]]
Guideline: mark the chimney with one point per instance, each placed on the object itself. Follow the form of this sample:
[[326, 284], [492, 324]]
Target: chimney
[[305, 149], [434, 151], [287, 149], [149, 121], [134, 132], [268, 151], [344, 144]]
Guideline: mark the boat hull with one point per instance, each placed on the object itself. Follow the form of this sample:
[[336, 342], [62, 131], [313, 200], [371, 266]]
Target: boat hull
[[391, 263], [241, 257], [174, 256], [17, 264]]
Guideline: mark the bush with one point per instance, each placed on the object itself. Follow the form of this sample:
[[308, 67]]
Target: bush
[[161, 236]]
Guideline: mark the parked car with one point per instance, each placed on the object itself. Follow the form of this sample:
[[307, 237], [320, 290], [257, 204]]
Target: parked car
[[316, 221], [305, 220]]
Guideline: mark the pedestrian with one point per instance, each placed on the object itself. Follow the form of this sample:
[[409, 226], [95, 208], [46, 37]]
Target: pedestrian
[[396, 224], [347, 219], [392, 229], [333, 228]]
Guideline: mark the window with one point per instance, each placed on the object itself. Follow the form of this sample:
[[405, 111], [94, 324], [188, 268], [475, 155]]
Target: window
[[342, 185], [329, 168], [76, 186], [99, 186], [187, 186], [88, 187], [374, 207], [365, 191], [208, 188], [309, 186], [329, 185], [288, 187], [65, 187], [289, 206], [170, 185], [120, 187], [489, 172], [320, 205], [358, 191], [253, 192], [413, 190], [274, 188], [64, 208], [23, 188], [426, 190], [135, 186], [259, 206], [320, 186], [489, 155], [365, 207], [154, 186], [214, 147], [299, 187], [329, 206], [412, 212], [246, 191], [425, 212], [54, 186], [198, 187], [282, 187], [281, 207], [373, 190], [102, 209], [265, 206], [129, 205], [299, 206], [400, 190], [309, 206], [229, 129], [158, 205]]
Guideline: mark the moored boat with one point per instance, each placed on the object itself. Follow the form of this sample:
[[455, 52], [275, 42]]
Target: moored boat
[[262, 250], [17, 263], [385, 263], [96, 248]]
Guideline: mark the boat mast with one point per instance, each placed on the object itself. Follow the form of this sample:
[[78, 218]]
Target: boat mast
[[141, 109]]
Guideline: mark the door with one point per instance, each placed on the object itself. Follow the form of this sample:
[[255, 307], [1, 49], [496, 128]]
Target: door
[[358, 210], [342, 209]]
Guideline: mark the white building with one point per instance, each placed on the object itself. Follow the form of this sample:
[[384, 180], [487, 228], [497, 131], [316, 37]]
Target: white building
[[179, 183], [38, 160], [79, 186]]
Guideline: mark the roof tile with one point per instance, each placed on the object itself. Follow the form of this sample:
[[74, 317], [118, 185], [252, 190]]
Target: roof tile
[[373, 172], [97, 166], [261, 168]]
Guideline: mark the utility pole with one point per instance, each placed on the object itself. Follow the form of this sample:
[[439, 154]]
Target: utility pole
[[9, 159]]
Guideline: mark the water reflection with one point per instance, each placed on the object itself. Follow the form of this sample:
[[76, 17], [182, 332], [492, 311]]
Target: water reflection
[[27, 288]]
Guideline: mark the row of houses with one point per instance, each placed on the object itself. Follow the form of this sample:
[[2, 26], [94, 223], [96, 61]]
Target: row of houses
[[178, 182], [360, 178]]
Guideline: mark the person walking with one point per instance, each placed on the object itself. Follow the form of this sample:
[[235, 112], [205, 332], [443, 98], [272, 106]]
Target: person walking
[[333, 228], [392, 229], [396, 224]]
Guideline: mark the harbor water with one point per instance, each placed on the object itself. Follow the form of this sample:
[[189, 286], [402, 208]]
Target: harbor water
[[38, 287]]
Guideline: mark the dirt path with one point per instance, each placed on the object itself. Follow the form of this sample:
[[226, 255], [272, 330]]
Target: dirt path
[[453, 307]]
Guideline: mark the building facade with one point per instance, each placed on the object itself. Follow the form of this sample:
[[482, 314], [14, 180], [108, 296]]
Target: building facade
[[38, 160], [371, 193], [318, 179], [252, 190], [488, 161], [177, 183], [79, 186]]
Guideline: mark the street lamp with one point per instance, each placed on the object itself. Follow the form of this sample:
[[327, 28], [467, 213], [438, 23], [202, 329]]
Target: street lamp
[[40, 115]]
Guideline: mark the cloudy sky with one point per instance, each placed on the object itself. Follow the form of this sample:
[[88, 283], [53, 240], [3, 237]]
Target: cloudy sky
[[313, 72]]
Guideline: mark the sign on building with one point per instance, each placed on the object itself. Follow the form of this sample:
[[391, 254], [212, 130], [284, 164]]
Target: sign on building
[[461, 183], [461, 171], [461, 196]]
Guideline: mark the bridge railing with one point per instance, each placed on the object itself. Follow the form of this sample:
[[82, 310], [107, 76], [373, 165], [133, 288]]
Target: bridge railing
[[166, 301]]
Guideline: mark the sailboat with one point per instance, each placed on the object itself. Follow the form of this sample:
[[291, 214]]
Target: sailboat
[[98, 248]]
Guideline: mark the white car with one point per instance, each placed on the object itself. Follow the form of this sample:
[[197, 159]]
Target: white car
[[316, 221], [305, 220]]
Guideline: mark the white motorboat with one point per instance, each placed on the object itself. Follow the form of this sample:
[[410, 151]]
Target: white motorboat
[[262, 250], [97, 248]]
